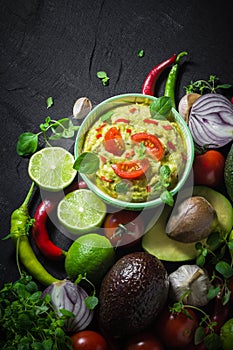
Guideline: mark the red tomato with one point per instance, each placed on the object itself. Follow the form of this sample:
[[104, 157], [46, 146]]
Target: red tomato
[[176, 330], [124, 227], [151, 142], [88, 340], [208, 168], [143, 341], [113, 141], [132, 169]]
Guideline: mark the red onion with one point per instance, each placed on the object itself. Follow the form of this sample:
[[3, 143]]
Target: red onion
[[211, 120], [69, 296]]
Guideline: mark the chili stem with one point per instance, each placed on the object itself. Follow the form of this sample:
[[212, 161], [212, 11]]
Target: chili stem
[[27, 199]]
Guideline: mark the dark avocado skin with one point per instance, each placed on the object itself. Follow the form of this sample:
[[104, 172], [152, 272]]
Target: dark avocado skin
[[132, 294]]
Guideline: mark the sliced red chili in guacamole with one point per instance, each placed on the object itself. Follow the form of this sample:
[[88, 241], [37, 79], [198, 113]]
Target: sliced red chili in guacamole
[[113, 142], [132, 169], [151, 142]]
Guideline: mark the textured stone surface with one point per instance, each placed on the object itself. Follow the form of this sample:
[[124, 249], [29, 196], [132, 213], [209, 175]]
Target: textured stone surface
[[55, 47]]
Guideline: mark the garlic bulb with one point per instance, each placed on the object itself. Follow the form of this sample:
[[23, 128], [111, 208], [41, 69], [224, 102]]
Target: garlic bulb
[[81, 107], [193, 279]]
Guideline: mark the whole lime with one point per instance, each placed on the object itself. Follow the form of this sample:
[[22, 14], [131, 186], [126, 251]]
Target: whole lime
[[226, 334], [91, 254]]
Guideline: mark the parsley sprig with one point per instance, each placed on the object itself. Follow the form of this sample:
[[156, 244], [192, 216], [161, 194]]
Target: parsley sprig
[[202, 86], [28, 320]]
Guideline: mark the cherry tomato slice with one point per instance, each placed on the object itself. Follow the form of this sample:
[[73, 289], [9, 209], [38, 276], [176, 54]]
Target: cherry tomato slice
[[113, 142], [123, 228], [208, 168], [88, 340], [132, 169], [151, 142]]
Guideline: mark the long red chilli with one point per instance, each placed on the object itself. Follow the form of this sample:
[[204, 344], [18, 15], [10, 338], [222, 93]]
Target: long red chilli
[[148, 86], [40, 233]]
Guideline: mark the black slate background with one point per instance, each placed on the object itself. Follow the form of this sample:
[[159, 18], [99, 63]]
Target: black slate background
[[55, 47]]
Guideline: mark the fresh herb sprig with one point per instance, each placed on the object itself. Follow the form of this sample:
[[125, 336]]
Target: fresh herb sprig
[[28, 320], [28, 142], [91, 300], [202, 86], [103, 77]]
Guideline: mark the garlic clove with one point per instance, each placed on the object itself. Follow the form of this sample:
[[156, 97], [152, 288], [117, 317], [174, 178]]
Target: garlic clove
[[81, 108], [194, 281]]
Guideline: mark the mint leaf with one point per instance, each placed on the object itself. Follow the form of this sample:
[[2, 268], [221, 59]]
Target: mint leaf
[[161, 107], [167, 198], [224, 268], [87, 163], [49, 102], [91, 302], [27, 144]]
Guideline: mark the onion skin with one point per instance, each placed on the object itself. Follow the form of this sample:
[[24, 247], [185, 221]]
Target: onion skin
[[67, 295], [211, 121]]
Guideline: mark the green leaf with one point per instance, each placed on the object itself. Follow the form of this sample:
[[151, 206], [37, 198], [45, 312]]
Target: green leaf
[[141, 53], [87, 163], [165, 171], [213, 342], [66, 313], [122, 186], [200, 260], [79, 279], [101, 74], [230, 244], [161, 107], [199, 335], [49, 102], [223, 86], [47, 344], [226, 297], [224, 269], [91, 302], [213, 292], [106, 116], [167, 198], [213, 240], [27, 144]]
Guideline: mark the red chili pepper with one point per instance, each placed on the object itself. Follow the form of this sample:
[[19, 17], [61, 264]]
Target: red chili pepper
[[40, 233], [150, 121], [149, 83], [122, 120]]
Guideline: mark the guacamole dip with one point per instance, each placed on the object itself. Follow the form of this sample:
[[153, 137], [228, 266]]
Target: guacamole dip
[[140, 156]]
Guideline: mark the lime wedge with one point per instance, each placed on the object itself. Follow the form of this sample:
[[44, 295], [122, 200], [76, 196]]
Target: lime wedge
[[81, 211], [52, 168]]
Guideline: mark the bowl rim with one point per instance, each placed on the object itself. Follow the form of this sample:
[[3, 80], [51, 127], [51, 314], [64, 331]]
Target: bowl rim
[[136, 205]]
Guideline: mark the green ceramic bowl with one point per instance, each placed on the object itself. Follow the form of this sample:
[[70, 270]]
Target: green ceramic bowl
[[103, 108]]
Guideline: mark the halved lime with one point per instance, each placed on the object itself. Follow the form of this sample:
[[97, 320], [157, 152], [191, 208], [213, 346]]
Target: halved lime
[[81, 211], [52, 168]]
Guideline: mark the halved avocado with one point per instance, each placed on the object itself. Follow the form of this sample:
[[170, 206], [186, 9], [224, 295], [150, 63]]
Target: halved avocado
[[157, 243]]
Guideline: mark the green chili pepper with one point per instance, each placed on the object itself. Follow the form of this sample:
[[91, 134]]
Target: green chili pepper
[[169, 90], [20, 223]]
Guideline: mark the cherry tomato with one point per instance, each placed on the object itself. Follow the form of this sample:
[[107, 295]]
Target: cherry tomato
[[88, 340], [124, 227], [113, 142], [151, 142], [208, 168], [132, 169], [143, 341], [176, 330]]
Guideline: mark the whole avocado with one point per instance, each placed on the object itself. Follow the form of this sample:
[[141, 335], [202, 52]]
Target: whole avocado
[[132, 294]]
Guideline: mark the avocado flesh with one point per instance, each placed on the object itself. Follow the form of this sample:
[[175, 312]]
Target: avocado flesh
[[132, 294], [157, 243]]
